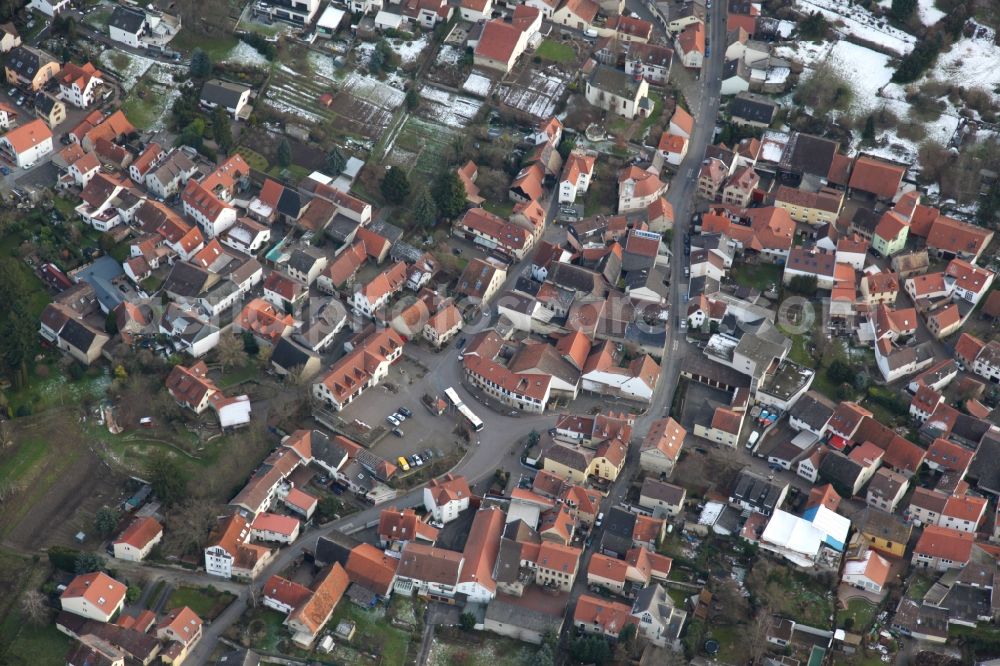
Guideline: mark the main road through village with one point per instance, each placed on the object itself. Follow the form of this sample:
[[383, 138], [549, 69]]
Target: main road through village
[[502, 430]]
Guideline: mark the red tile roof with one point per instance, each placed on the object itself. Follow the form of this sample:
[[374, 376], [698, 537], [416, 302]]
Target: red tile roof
[[286, 592], [327, 593], [99, 590], [28, 135], [949, 455], [610, 616], [944, 543], [498, 41], [667, 436], [371, 568], [876, 177], [140, 532], [482, 548]]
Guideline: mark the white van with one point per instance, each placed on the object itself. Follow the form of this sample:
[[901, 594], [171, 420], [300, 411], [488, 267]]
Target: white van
[[752, 441]]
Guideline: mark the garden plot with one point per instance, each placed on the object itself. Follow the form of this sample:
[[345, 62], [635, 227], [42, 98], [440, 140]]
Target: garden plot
[[448, 108], [408, 50], [322, 65], [852, 19], [420, 145], [477, 85], [448, 55], [535, 93], [973, 63], [244, 54], [127, 67], [150, 100]]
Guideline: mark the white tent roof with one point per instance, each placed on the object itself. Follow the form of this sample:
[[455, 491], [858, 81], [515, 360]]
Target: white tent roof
[[234, 412], [832, 524], [330, 18], [793, 533]]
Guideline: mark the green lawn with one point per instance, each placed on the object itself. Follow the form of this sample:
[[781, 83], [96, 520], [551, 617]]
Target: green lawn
[[36, 645], [555, 51], [502, 208], [206, 603], [294, 172], [375, 633], [26, 455], [217, 47], [65, 207], [918, 586], [861, 611], [253, 158], [760, 276], [234, 376], [145, 111], [655, 115], [20, 641], [731, 648]]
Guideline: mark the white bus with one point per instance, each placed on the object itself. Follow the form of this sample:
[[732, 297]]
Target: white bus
[[477, 424]]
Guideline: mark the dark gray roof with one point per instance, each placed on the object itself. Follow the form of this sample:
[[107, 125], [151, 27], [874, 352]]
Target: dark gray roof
[[186, 280], [618, 527], [239, 657], [753, 107], [288, 355], [660, 490], [524, 617], [386, 230], [985, 468], [303, 259], [290, 202], [839, 470], [44, 103], [757, 491], [78, 334], [222, 93], [575, 278], [335, 547], [813, 155], [735, 67], [812, 408], [26, 60], [127, 19], [569, 456], [614, 81]]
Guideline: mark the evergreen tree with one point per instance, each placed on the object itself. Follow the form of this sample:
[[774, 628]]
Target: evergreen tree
[[201, 65], [106, 521], [284, 153], [449, 194], [395, 185], [412, 99], [903, 9], [423, 213], [868, 134], [989, 206], [17, 334], [335, 161], [222, 129], [168, 478]]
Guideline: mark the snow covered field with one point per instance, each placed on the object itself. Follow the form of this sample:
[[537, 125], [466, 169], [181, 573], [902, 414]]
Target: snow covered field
[[477, 84], [408, 51], [133, 69], [929, 14], [447, 108], [866, 70], [856, 20], [244, 54], [971, 63], [322, 65]]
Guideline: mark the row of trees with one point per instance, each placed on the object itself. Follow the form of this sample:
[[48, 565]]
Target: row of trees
[[17, 325]]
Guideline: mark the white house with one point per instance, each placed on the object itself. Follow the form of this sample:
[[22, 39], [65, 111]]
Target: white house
[[246, 236], [230, 96], [275, 527], [96, 596], [638, 188], [577, 172], [690, 46], [870, 572], [127, 25], [77, 84], [447, 497], [138, 539], [475, 10], [28, 144], [49, 7], [616, 92]]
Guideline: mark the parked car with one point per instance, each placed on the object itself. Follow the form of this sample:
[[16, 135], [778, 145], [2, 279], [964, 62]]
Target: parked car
[[428, 454], [399, 417], [419, 460], [402, 463], [393, 420], [398, 432], [405, 412], [600, 519]]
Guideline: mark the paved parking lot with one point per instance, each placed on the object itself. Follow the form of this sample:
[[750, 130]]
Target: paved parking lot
[[421, 431]]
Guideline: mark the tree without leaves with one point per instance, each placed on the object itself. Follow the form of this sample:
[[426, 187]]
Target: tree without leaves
[[230, 352], [106, 521], [868, 134], [189, 525], [449, 194], [35, 608], [903, 9], [284, 153], [168, 478], [493, 184]]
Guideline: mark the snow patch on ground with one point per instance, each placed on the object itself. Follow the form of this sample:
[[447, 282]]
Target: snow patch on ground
[[448, 55], [130, 73], [449, 109], [373, 90], [866, 70], [244, 54], [322, 65], [477, 84], [785, 29], [929, 14], [807, 53], [409, 51], [972, 63], [856, 20]]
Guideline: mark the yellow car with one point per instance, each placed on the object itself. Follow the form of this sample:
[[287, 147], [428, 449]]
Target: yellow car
[[405, 465]]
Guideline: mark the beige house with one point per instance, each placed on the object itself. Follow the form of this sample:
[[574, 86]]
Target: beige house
[[725, 427], [662, 446], [815, 208], [138, 539], [616, 92], [443, 325]]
